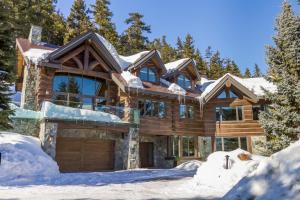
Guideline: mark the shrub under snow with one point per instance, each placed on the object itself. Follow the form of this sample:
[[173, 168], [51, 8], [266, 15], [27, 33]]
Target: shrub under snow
[[212, 173], [22, 157]]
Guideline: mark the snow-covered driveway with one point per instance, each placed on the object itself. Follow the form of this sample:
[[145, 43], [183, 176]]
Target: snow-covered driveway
[[134, 184]]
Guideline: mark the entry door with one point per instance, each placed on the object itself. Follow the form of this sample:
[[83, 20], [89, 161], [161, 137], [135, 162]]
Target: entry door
[[146, 154]]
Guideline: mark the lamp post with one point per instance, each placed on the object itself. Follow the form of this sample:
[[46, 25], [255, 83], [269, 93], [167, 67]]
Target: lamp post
[[227, 158]]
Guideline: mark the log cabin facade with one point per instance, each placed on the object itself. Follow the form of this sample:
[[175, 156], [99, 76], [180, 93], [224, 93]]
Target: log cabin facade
[[161, 124]]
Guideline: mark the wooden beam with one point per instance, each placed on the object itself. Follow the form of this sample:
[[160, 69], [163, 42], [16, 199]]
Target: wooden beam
[[99, 59], [93, 64], [86, 57], [71, 54], [78, 62], [66, 69]]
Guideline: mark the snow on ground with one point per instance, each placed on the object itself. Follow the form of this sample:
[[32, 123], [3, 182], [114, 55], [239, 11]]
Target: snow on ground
[[23, 159], [132, 81], [277, 177], [190, 165], [213, 177]]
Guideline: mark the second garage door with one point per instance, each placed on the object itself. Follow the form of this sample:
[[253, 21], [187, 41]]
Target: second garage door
[[84, 155]]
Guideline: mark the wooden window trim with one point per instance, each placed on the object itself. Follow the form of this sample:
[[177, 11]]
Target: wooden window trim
[[232, 121], [154, 69]]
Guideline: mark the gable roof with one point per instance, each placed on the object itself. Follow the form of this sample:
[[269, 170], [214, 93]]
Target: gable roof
[[251, 87], [108, 50], [144, 58], [178, 65]]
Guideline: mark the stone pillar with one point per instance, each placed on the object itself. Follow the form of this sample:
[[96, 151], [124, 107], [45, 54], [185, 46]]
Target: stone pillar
[[28, 99], [48, 133], [132, 160]]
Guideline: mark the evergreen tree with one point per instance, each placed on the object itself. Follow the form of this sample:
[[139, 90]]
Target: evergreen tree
[[188, 47], [58, 29], [133, 40], [78, 21], [201, 65], [215, 66], [231, 67], [6, 63], [102, 17], [281, 120], [257, 72], [179, 48], [247, 73]]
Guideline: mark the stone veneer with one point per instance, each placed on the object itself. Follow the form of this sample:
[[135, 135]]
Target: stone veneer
[[26, 126], [48, 134], [28, 98]]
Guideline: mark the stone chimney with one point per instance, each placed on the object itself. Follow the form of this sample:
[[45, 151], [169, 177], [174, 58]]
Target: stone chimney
[[35, 34]]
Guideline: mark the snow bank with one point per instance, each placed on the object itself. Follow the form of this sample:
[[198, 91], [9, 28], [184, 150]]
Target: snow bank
[[176, 89], [132, 81], [171, 66], [23, 158], [275, 178], [212, 173], [36, 55], [189, 165], [50, 110], [24, 113]]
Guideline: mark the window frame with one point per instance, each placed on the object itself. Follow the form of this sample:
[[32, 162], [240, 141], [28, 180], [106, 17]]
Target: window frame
[[148, 69], [228, 92], [185, 79], [239, 142], [142, 106], [189, 140], [236, 108], [187, 110]]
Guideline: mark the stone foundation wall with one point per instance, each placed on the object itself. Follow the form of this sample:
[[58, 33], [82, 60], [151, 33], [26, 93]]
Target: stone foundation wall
[[26, 126], [48, 134], [160, 150]]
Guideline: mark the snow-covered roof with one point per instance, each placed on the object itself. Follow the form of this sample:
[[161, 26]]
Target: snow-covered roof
[[171, 66], [176, 89], [131, 80], [125, 61], [254, 85], [35, 55]]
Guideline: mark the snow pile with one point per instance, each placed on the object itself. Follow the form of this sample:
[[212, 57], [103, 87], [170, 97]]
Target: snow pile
[[275, 178], [50, 110], [36, 55], [176, 89], [132, 81], [24, 113], [171, 66], [212, 173], [256, 84], [23, 158], [189, 165], [128, 60]]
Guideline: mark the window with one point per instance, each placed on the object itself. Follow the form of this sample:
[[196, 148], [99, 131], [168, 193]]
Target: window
[[227, 94], [152, 108], [256, 109], [231, 143], [77, 91], [229, 113], [183, 81], [147, 74], [186, 111], [188, 146]]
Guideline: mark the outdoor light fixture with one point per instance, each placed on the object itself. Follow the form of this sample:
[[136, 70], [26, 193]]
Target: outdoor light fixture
[[227, 158]]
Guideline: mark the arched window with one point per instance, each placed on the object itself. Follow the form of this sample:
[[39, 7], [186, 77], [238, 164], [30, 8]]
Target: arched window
[[147, 74], [183, 81]]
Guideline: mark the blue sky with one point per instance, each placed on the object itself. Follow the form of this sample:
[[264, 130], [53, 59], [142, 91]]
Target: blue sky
[[239, 29]]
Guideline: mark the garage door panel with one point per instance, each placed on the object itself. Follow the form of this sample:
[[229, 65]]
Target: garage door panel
[[75, 154]]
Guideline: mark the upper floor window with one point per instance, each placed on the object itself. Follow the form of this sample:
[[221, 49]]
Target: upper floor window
[[229, 113], [148, 74], [227, 94], [152, 108], [256, 109], [183, 81], [186, 111]]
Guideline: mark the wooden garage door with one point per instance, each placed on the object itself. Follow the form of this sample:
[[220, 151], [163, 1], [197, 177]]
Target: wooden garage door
[[84, 155]]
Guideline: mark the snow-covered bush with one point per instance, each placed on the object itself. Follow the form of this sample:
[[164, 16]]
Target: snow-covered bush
[[22, 157]]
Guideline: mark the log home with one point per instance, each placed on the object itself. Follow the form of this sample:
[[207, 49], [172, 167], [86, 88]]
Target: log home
[[166, 111]]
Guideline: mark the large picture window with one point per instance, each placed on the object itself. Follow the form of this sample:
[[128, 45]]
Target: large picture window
[[183, 81], [231, 143], [78, 91], [188, 146], [229, 113], [152, 108], [148, 74]]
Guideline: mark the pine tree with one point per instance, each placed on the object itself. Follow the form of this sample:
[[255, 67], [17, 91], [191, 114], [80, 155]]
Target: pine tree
[[179, 48], [247, 73], [257, 72], [281, 120], [215, 66], [188, 46], [58, 29], [105, 27], [6, 63], [78, 21], [231, 67], [133, 40], [201, 64]]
